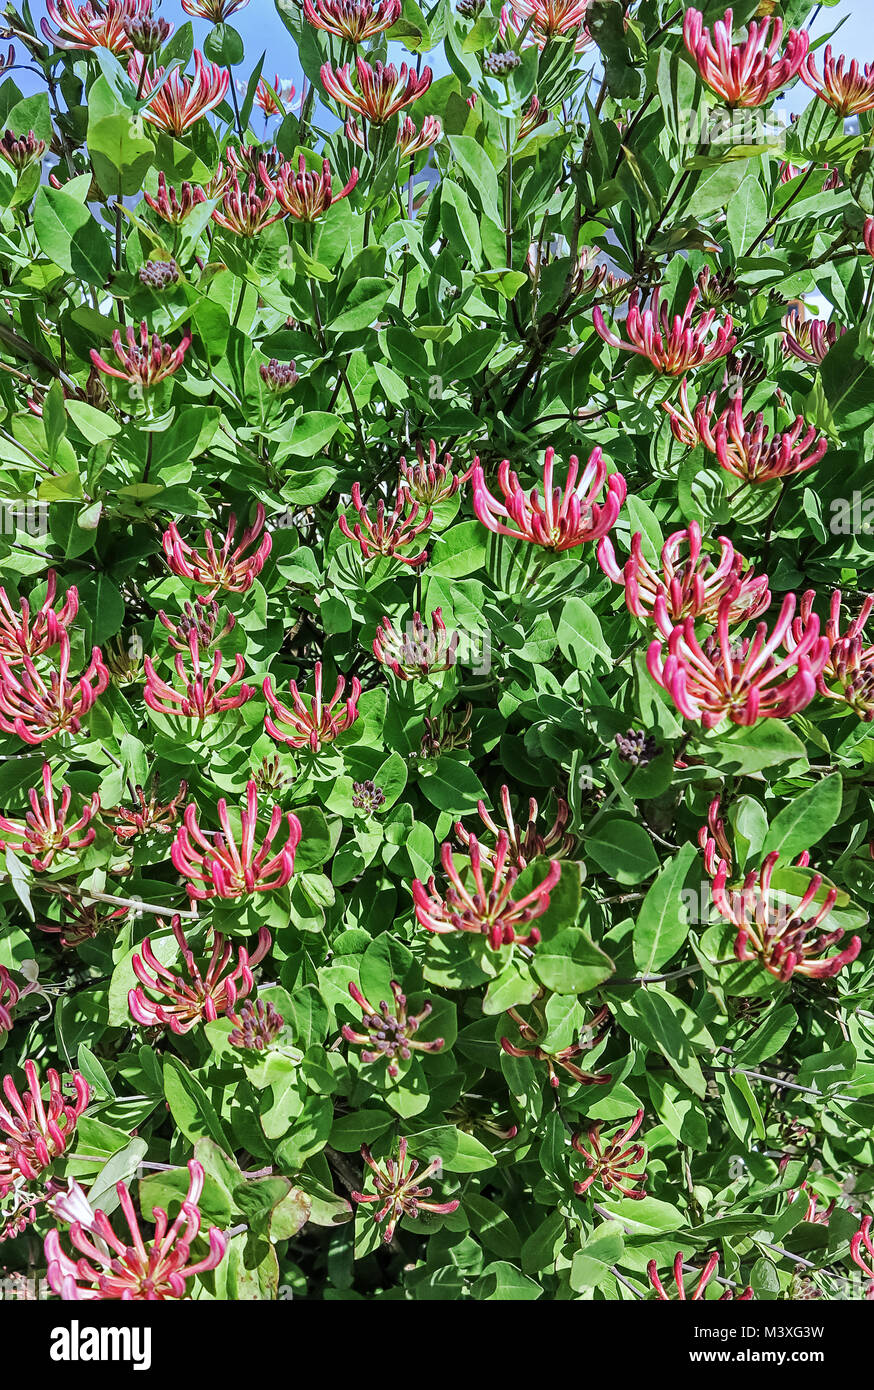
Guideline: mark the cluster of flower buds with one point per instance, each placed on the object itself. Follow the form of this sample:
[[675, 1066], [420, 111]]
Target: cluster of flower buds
[[81, 921], [314, 727], [367, 797], [714, 842], [174, 207], [809, 339], [389, 534], [21, 150], [788, 172], [107, 1267], [147, 33], [278, 377], [387, 1033], [176, 102], [524, 844], [306, 195], [158, 274], [778, 936], [501, 64], [380, 92], [443, 733], [355, 21], [200, 624], [611, 1161], [428, 482], [532, 117], [697, 1293], [146, 816], [848, 93], [34, 1132], [216, 11], [246, 206], [586, 275], [489, 911], [44, 833], [202, 997], [145, 361], [418, 651], [673, 346], [269, 777], [690, 584], [25, 633], [848, 673], [36, 708], [256, 1026], [218, 868], [743, 681], [748, 73], [396, 1193], [90, 25], [637, 748], [542, 20], [565, 1057], [715, 289], [559, 519], [744, 448], [200, 695], [230, 570]]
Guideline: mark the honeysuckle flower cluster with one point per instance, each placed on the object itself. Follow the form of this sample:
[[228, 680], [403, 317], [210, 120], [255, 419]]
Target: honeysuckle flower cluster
[[556, 518], [21, 151], [81, 921], [862, 1251], [525, 841], [550, 19], [256, 1026], [848, 672], [707, 1273], [849, 92], [418, 651], [388, 535], [101, 25], [147, 33], [200, 996], [216, 11], [200, 624], [35, 1131], [378, 91], [745, 449], [305, 195], [672, 345], [809, 340], [176, 102], [637, 747], [274, 99], [387, 1033], [814, 1215], [278, 377], [32, 632], [44, 835], [199, 693], [396, 1194], [145, 816], [470, 904], [367, 797], [227, 570], [158, 275], [428, 482], [247, 204], [611, 1161], [38, 706], [218, 867], [777, 935], [107, 1267], [146, 361], [352, 20], [747, 73], [171, 206], [564, 1058], [314, 726]]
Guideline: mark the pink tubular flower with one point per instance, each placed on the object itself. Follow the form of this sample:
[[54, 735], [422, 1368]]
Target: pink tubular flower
[[316, 726], [746, 74], [396, 1192], [131, 1270], [860, 1239], [684, 425], [427, 481], [201, 998], [144, 363], [306, 195], [179, 101], [689, 585], [266, 98], [35, 710], [742, 681], [868, 235], [775, 934], [82, 921], [381, 92], [44, 834], [565, 1057], [698, 1292], [849, 93], [788, 172], [672, 346], [809, 339], [216, 11], [388, 1032], [562, 518], [9, 997], [33, 1134], [23, 634], [611, 1163], [246, 210], [713, 840], [387, 536], [146, 816], [93, 25], [743, 447], [524, 845], [850, 663], [352, 20], [418, 651], [813, 1215], [201, 696], [228, 570], [490, 911], [218, 869], [202, 623], [543, 20], [172, 207]]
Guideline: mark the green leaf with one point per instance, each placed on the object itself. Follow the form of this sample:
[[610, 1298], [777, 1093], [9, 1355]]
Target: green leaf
[[70, 236], [361, 307], [662, 924], [622, 848], [806, 819]]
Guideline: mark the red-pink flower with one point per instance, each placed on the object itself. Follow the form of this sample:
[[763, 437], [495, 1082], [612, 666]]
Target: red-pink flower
[[748, 73], [564, 1057], [201, 623], [542, 20], [273, 101], [245, 209], [44, 834], [776, 934], [9, 997], [387, 535], [813, 1215], [200, 695], [172, 207], [868, 235], [428, 482], [381, 92], [179, 101], [81, 921], [37, 708], [306, 195], [860, 1239], [216, 11], [145, 816], [353, 20], [229, 569], [93, 25], [689, 584], [131, 1270], [145, 361], [744, 448], [410, 140], [30, 634], [389, 1031], [697, 1293], [672, 345], [32, 1132], [611, 1162], [788, 172], [218, 868], [850, 662], [809, 339], [202, 997], [713, 840], [849, 93], [558, 519], [317, 725], [418, 651], [739, 680], [525, 841], [470, 905], [396, 1194]]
